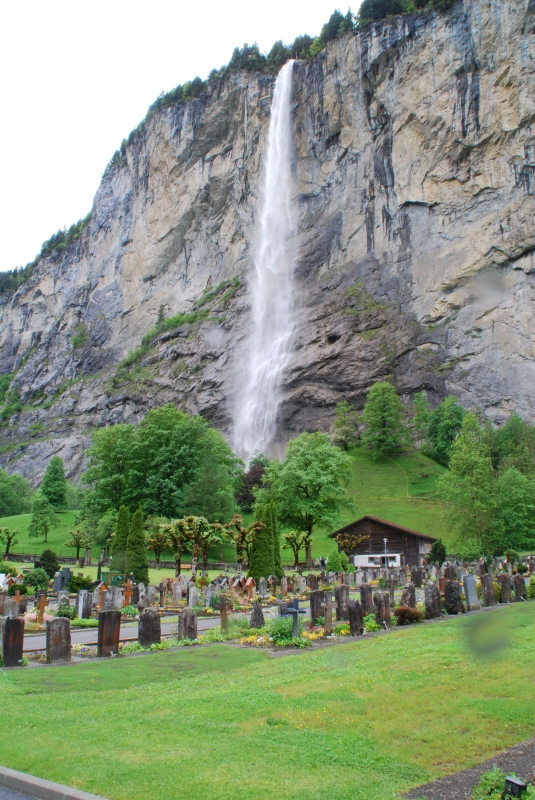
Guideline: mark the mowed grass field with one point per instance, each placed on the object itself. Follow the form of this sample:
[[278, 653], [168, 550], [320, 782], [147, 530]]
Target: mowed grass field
[[367, 719], [401, 489]]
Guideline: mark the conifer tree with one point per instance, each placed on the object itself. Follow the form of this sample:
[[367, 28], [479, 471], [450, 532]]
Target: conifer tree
[[261, 564], [120, 540], [54, 484], [275, 535], [136, 550], [335, 562]]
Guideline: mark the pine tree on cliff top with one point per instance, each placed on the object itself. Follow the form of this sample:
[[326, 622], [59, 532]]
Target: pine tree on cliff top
[[136, 550], [120, 540]]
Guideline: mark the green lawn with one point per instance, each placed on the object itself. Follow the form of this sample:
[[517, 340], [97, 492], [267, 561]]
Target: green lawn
[[400, 489], [368, 719]]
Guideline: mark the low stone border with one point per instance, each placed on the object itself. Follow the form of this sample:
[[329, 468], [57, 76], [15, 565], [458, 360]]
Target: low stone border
[[39, 788]]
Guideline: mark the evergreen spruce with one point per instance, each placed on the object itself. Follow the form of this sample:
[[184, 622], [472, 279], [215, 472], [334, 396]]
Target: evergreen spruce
[[275, 535], [54, 485], [120, 540], [261, 564], [136, 550], [49, 562], [335, 562]]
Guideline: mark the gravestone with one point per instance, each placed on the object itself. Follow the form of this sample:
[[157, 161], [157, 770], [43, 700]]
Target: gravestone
[[408, 596], [117, 598], [302, 585], [381, 602], [442, 585], [58, 640], [262, 587], [177, 593], [109, 630], [358, 579], [223, 613], [12, 641], [449, 573], [366, 598], [187, 624], [193, 597], [356, 617], [392, 588], [11, 608], [505, 588], [107, 600], [470, 593], [312, 582], [317, 599], [149, 628], [80, 603], [487, 587], [342, 599], [284, 586], [257, 617], [3, 598], [328, 607], [452, 598], [520, 587], [151, 594], [66, 575], [416, 577], [63, 597], [58, 582], [433, 605]]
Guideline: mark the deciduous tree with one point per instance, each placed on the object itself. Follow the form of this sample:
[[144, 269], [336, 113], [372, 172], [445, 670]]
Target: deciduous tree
[[8, 537], [43, 518], [54, 484], [77, 539], [384, 418]]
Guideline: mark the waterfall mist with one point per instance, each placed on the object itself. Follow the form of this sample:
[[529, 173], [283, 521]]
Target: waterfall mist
[[271, 284]]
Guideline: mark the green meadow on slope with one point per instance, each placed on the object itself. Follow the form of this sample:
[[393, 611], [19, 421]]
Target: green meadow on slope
[[401, 489]]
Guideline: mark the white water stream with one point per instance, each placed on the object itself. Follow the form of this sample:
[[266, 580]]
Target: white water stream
[[271, 285]]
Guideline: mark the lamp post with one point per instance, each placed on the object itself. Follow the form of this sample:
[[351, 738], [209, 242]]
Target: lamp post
[[386, 561]]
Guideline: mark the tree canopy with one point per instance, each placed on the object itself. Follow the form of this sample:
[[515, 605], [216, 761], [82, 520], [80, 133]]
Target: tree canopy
[[54, 483], [14, 494], [384, 418], [43, 518]]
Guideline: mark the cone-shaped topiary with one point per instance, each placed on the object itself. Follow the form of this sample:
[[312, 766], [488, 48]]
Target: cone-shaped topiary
[[261, 564], [334, 563], [275, 535], [120, 540], [136, 550]]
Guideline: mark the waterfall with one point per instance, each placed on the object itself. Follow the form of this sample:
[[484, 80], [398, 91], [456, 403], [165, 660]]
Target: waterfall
[[271, 285]]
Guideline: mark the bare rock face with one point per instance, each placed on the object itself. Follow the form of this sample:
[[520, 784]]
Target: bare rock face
[[415, 177]]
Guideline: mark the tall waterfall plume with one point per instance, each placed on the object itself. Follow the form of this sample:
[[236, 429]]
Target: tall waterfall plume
[[271, 284]]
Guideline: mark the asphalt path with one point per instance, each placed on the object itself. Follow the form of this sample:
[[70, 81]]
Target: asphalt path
[[7, 794]]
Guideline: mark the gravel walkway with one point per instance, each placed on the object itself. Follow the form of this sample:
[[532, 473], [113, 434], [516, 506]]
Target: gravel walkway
[[519, 759]]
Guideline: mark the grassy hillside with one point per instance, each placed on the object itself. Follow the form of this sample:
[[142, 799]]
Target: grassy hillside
[[400, 489]]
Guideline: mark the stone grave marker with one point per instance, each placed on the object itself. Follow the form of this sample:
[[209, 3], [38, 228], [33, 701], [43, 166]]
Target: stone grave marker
[[312, 582], [177, 593], [408, 596], [366, 598], [489, 598], [470, 593], [328, 607], [505, 588], [3, 598], [109, 630], [262, 587], [151, 594], [442, 585], [117, 597], [381, 602], [58, 640], [193, 598], [302, 585], [342, 599], [317, 600], [12, 640], [80, 603], [187, 624], [520, 587], [257, 617], [358, 579], [433, 605], [452, 598], [11, 608], [107, 600], [223, 613], [58, 582], [149, 628], [284, 586], [356, 617]]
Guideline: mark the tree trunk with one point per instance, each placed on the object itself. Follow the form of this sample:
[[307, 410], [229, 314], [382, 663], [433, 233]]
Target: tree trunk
[[296, 559], [178, 565], [77, 553], [205, 560], [308, 550]]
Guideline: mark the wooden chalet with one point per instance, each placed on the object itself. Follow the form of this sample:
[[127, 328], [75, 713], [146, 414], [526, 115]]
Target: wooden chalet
[[403, 545]]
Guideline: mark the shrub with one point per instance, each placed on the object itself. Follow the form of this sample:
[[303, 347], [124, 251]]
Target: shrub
[[370, 624], [36, 579], [521, 569], [530, 591], [20, 587], [335, 562], [406, 615], [8, 569], [66, 611], [76, 584], [491, 785], [344, 561], [84, 623], [49, 562]]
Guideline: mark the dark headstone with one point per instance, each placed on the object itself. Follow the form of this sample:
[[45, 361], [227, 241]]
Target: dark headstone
[[312, 582], [416, 576], [58, 640], [135, 595], [449, 573], [149, 628], [487, 587], [356, 617], [505, 588], [317, 599], [12, 641], [3, 598], [257, 617], [408, 596], [366, 598], [520, 587], [381, 602], [433, 606], [452, 598], [342, 599], [109, 630], [187, 624]]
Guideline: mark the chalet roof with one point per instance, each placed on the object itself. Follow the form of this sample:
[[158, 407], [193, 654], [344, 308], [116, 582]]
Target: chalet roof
[[388, 525]]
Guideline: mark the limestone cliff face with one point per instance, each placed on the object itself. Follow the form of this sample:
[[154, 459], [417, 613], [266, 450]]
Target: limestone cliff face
[[415, 180]]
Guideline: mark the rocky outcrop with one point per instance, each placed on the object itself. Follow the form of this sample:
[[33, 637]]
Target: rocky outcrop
[[415, 176]]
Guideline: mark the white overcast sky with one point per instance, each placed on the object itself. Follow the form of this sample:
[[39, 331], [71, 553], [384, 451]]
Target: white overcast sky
[[76, 77]]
